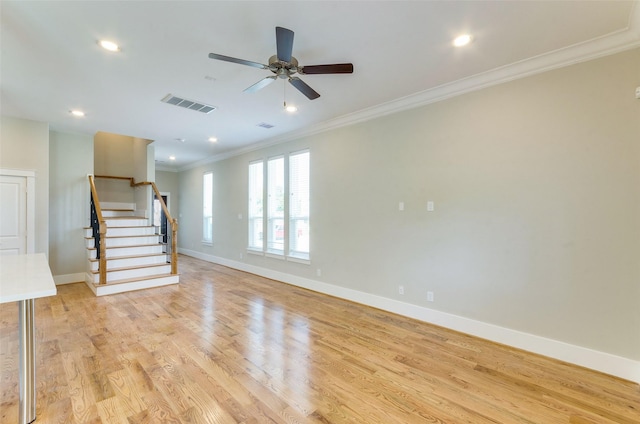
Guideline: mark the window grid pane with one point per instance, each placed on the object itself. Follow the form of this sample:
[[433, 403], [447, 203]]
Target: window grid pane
[[255, 217], [207, 207], [299, 205], [275, 205]]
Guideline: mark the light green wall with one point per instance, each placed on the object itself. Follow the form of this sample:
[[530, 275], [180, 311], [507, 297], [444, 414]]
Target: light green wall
[[123, 156], [71, 160], [536, 185], [167, 182], [24, 145]]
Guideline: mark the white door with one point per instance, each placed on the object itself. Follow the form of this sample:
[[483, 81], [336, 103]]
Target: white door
[[13, 215]]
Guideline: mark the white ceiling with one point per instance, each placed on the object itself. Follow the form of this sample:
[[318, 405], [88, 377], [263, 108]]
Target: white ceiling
[[401, 51]]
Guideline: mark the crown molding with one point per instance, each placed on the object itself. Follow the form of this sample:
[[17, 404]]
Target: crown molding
[[166, 168], [616, 42]]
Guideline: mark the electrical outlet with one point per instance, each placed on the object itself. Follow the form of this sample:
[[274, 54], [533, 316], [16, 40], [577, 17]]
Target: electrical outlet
[[401, 206], [430, 206], [430, 296], [241, 255], [401, 289], [319, 272]]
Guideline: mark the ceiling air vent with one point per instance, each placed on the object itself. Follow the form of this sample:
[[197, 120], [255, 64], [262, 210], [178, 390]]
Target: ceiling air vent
[[264, 125], [188, 104]]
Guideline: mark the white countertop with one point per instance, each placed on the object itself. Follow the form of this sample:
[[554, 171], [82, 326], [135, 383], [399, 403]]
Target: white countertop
[[25, 277]]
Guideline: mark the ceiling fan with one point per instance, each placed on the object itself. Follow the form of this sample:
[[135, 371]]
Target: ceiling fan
[[284, 66]]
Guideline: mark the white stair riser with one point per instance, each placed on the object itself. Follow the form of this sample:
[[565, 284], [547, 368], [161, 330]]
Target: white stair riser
[[108, 214], [126, 241], [129, 262], [134, 273], [117, 205], [125, 231], [129, 251], [133, 222]]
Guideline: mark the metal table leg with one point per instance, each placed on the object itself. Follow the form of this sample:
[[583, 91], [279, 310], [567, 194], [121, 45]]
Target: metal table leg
[[27, 370]]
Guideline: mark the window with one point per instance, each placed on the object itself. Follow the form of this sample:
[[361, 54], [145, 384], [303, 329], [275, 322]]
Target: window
[[207, 207], [275, 206], [284, 219], [256, 189], [299, 205]]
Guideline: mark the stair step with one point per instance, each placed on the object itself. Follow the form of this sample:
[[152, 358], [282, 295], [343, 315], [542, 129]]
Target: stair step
[[141, 230], [130, 261], [134, 272], [122, 241], [132, 280], [115, 258], [117, 206], [141, 249], [122, 286], [126, 221], [128, 268]]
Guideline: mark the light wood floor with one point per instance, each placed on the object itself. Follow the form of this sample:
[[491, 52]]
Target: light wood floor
[[229, 347]]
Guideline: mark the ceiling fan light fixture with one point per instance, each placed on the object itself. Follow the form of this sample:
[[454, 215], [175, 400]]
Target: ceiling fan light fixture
[[290, 108], [109, 45], [462, 40]]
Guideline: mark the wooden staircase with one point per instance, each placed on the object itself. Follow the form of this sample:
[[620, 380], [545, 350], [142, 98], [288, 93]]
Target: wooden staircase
[[135, 255]]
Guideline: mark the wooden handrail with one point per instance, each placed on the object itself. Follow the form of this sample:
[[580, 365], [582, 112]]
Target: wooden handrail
[[115, 178], [173, 221], [102, 228]]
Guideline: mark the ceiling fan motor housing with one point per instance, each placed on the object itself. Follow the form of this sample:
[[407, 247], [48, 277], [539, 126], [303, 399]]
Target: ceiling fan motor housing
[[283, 69]]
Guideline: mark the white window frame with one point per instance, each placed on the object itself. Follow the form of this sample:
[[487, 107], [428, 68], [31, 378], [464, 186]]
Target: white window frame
[[276, 210], [207, 210], [298, 210], [255, 210], [268, 215]]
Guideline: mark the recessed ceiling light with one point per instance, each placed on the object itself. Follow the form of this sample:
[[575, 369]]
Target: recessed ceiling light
[[181, 140], [172, 157], [291, 108], [462, 40], [213, 139], [109, 45], [77, 113]]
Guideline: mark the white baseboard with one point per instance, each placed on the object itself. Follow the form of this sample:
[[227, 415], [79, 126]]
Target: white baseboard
[[600, 361], [68, 278]]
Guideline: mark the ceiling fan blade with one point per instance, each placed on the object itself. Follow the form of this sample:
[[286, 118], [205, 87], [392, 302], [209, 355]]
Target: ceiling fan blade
[[260, 84], [336, 68], [236, 60], [304, 88], [284, 44]]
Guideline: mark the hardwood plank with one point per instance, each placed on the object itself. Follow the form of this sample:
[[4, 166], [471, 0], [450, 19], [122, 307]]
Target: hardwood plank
[[225, 346]]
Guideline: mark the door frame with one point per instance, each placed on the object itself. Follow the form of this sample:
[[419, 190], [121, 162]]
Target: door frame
[[30, 176], [168, 196]]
